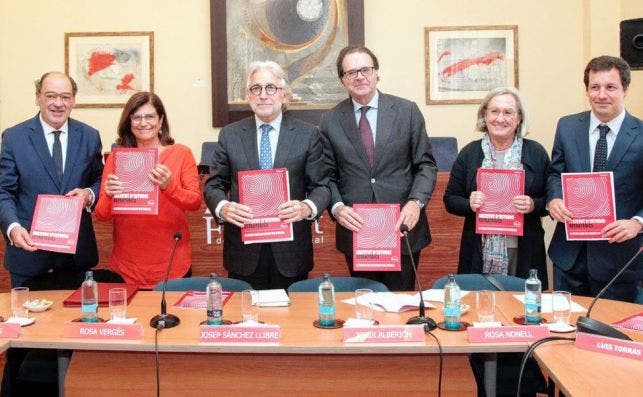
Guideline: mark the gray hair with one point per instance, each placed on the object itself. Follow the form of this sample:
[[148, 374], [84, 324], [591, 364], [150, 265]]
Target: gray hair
[[274, 68], [523, 128]]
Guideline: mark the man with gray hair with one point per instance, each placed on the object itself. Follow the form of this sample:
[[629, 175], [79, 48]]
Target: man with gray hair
[[268, 139]]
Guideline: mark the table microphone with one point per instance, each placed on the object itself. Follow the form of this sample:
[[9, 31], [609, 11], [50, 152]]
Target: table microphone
[[429, 324], [165, 320], [591, 326]]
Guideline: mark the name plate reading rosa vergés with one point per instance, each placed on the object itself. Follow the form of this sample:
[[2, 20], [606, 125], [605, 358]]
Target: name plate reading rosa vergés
[[497, 215], [589, 196], [55, 223], [140, 195], [102, 331], [264, 191], [9, 330], [376, 246]]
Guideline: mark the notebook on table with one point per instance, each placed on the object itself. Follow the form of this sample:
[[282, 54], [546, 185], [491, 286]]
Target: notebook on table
[[73, 300]]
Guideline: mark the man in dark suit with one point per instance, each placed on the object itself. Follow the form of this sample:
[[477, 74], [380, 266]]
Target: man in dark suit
[[607, 138], [269, 139], [378, 150], [48, 154]]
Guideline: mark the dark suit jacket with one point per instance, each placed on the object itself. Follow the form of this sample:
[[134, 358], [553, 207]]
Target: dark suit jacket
[[462, 181], [571, 154], [27, 170], [299, 149], [404, 167]]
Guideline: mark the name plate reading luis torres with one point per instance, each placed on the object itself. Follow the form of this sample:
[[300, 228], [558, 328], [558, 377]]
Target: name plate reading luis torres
[[102, 331], [527, 333], [384, 334], [240, 334], [9, 330], [615, 347]]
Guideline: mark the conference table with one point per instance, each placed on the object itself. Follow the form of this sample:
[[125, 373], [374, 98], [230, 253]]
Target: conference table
[[306, 360]]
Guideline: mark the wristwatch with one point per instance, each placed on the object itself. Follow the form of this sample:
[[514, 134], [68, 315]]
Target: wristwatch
[[418, 202]]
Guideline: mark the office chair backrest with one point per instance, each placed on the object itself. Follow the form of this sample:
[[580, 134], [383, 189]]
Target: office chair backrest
[[445, 150], [342, 284], [199, 284], [476, 282]]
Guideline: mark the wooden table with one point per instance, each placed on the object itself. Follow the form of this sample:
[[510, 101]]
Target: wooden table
[[308, 360], [579, 372]]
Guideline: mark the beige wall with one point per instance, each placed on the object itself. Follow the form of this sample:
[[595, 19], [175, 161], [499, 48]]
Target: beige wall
[[556, 38]]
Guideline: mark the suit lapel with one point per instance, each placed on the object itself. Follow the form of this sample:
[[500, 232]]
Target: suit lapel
[[286, 139], [37, 139], [582, 141], [347, 121], [249, 140], [386, 116], [624, 138]]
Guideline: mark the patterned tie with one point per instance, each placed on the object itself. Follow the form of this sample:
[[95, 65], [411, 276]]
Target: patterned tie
[[265, 153], [367, 135], [600, 154], [57, 155]]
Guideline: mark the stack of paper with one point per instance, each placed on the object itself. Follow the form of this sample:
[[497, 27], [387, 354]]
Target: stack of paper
[[273, 298]]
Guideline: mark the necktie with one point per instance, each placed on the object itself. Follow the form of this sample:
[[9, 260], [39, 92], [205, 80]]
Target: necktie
[[265, 153], [57, 154], [600, 154], [367, 135]]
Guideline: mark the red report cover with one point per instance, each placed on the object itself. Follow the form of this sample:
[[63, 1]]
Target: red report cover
[[132, 166], [376, 247], [497, 215], [264, 191], [55, 223], [74, 300], [589, 196]]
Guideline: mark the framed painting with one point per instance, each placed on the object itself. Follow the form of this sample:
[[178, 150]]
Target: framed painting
[[109, 66], [462, 63], [302, 36]]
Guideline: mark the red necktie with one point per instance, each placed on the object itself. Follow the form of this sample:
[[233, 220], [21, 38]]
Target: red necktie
[[367, 135]]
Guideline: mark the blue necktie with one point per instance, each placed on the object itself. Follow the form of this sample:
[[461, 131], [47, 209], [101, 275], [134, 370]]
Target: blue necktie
[[265, 153], [600, 154], [57, 155]]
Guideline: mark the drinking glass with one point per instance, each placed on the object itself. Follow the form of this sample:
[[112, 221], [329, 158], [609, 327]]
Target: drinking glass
[[485, 305], [117, 303], [363, 305], [19, 296], [561, 306], [250, 305]]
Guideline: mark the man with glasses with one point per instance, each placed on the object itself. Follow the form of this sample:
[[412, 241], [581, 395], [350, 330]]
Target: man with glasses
[[380, 153], [268, 139], [48, 154]]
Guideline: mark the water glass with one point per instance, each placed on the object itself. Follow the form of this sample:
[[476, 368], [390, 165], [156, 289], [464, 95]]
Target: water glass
[[19, 296], [117, 303], [250, 305], [485, 305], [363, 305], [561, 306]]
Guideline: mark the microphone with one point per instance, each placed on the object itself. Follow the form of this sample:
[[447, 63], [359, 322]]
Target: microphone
[[165, 320], [421, 318], [591, 326]]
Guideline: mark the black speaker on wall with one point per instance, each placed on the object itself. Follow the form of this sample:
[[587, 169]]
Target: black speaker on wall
[[632, 42]]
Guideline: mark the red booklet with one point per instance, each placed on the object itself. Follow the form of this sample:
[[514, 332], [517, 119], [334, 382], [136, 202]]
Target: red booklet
[[498, 214], [132, 166], [264, 191], [198, 300], [589, 196], [376, 247], [73, 300], [634, 322], [55, 223]]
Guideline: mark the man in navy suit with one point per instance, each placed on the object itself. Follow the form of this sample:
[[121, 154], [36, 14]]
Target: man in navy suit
[[269, 138], [378, 150], [28, 168], [584, 267]]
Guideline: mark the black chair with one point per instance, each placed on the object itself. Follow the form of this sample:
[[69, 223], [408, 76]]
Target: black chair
[[207, 151], [445, 150]]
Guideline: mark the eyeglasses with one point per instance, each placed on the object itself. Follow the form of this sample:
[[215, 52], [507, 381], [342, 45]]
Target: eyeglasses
[[366, 71], [148, 118], [270, 89], [506, 113], [51, 97]]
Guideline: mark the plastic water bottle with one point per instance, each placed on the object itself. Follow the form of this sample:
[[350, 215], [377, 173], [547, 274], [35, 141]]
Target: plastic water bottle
[[451, 304], [89, 298], [533, 291], [326, 302], [214, 301]]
